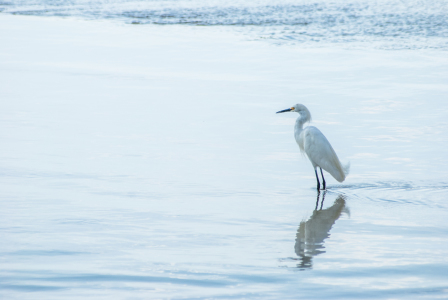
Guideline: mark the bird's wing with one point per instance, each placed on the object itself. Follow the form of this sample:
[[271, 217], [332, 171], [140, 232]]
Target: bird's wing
[[320, 152]]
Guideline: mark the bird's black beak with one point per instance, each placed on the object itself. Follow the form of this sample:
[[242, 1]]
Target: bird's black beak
[[285, 110]]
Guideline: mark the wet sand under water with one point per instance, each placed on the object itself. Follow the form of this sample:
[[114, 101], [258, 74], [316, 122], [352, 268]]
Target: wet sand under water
[[147, 162]]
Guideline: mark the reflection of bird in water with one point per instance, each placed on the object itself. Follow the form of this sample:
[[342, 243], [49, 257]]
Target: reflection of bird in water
[[316, 146], [312, 233]]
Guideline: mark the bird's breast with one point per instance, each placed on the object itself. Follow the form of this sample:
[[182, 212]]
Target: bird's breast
[[298, 135]]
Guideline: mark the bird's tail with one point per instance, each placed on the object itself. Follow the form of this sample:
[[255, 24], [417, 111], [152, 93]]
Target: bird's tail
[[346, 169]]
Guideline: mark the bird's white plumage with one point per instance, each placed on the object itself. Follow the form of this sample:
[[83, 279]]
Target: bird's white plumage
[[319, 151], [315, 145]]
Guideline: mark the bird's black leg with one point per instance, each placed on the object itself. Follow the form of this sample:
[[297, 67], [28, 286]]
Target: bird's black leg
[[318, 182], [323, 179]]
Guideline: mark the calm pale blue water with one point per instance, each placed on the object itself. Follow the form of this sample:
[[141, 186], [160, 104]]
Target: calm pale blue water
[[147, 162]]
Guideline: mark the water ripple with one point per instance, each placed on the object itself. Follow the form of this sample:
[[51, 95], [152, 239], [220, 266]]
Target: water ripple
[[386, 24]]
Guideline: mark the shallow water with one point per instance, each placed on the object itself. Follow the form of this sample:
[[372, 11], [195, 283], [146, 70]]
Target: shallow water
[[148, 162]]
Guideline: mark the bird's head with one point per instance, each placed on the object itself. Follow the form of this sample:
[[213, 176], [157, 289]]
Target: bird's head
[[301, 109]]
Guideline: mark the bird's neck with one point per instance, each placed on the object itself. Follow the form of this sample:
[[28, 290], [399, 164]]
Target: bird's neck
[[299, 124], [298, 128]]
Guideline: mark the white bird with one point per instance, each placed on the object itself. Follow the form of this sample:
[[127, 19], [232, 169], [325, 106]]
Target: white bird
[[316, 146]]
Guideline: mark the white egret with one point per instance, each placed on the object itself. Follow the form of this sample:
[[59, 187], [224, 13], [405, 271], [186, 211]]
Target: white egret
[[316, 146]]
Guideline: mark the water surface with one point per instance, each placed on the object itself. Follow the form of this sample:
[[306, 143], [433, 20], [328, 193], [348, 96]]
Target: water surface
[[409, 24], [147, 162]]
